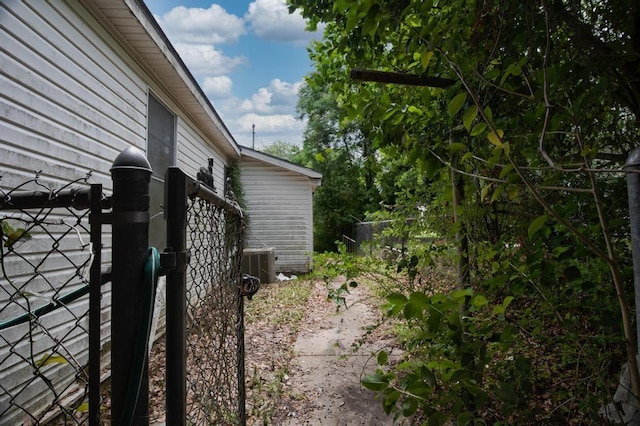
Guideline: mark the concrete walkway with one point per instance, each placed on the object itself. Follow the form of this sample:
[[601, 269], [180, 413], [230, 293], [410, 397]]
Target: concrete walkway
[[331, 361]]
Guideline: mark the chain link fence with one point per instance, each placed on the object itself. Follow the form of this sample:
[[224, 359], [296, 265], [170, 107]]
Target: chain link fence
[[215, 323], [206, 237], [45, 257], [51, 341]]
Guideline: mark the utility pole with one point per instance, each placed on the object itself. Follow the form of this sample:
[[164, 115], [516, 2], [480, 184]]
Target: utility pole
[[253, 136]]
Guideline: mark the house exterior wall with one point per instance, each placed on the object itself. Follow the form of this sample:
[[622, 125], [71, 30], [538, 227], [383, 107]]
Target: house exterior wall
[[279, 210], [71, 99]]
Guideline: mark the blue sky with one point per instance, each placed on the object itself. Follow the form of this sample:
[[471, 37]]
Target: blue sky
[[249, 57]]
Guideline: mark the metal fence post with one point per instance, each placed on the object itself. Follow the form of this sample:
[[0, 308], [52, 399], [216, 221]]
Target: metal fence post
[[95, 221], [131, 174], [633, 188], [176, 314]]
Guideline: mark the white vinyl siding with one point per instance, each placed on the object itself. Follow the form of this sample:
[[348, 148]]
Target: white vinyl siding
[[279, 207], [68, 105], [72, 99], [194, 151]]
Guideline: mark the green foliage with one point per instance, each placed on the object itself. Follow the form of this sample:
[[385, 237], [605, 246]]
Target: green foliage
[[461, 367], [11, 235], [534, 114], [234, 185], [332, 268], [285, 150], [343, 156]]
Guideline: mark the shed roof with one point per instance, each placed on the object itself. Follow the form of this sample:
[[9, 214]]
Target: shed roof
[[314, 177], [134, 26]]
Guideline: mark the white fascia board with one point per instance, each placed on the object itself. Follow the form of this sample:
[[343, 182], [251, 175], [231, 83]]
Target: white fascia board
[[315, 177]]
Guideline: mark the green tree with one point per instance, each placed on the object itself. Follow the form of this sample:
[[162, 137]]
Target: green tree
[[343, 155], [285, 150], [543, 107]]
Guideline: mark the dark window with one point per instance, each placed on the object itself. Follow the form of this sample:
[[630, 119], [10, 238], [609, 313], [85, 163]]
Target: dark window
[[161, 146]]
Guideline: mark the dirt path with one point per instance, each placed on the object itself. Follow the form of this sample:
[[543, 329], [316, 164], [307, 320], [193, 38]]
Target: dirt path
[[332, 353]]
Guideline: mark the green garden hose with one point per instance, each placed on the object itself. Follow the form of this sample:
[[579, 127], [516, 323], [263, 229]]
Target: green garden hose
[[151, 274]]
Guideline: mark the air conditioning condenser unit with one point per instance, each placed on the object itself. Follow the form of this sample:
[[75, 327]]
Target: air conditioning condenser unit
[[260, 262]]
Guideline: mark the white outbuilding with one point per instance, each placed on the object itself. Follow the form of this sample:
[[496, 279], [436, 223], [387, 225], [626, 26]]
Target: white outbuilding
[[279, 206]]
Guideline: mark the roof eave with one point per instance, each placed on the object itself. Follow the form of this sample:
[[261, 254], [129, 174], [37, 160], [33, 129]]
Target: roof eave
[[131, 22], [279, 162]]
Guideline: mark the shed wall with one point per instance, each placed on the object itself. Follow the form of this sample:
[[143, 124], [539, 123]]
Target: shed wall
[[279, 207]]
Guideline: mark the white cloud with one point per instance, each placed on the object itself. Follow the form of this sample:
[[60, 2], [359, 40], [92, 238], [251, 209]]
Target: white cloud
[[270, 19], [271, 109], [217, 87], [202, 26], [285, 93], [204, 59], [279, 97], [275, 123]]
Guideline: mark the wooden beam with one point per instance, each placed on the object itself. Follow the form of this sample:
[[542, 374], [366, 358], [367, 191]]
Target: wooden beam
[[400, 78]]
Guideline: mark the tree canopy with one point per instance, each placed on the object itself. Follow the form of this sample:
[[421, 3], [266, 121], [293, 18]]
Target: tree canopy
[[542, 108]]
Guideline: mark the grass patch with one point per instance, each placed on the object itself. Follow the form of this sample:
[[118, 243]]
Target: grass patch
[[272, 320], [281, 304]]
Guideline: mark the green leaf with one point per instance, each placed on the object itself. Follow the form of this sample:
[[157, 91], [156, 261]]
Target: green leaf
[[425, 58], [469, 115], [536, 225], [456, 103], [488, 113], [506, 170], [496, 137], [496, 193], [507, 301], [16, 235], [409, 407], [83, 408], [397, 302], [397, 298], [461, 294], [418, 298], [427, 374], [375, 382], [479, 301], [485, 191], [418, 388], [412, 310], [498, 310], [478, 129], [414, 110], [416, 305], [51, 359], [456, 147], [433, 322], [382, 358]]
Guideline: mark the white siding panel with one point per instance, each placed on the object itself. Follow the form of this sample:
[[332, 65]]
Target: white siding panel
[[279, 210], [61, 111], [194, 151], [70, 101]]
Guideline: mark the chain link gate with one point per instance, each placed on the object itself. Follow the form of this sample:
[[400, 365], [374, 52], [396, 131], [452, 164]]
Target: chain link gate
[[205, 354]]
